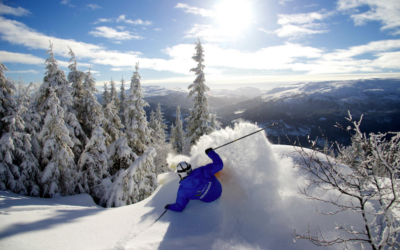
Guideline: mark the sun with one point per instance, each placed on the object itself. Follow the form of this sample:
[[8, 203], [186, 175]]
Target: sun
[[233, 16]]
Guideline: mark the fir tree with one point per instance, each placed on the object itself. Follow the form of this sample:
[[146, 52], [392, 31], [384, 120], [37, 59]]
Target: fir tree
[[92, 112], [122, 102], [120, 155], [137, 132], [60, 171], [177, 134], [133, 184], [114, 94], [93, 164], [106, 95], [199, 118], [76, 77], [19, 168], [112, 123]]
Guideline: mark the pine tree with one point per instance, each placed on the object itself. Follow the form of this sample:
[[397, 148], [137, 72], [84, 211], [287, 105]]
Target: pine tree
[[112, 123], [55, 78], [19, 168], [60, 171], [133, 184], [76, 77], [120, 155], [92, 112], [137, 132], [199, 118], [114, 94], [106, 95], [122, 102], [93, 165], [177, 134]]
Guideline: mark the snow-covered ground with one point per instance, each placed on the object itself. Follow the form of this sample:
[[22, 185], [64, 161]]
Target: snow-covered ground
[[259, 208]]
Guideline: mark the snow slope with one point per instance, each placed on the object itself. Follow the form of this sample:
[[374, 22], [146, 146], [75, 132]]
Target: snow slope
[[258, 209]]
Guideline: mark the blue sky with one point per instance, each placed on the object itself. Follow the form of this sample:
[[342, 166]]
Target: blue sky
[[258, 43]]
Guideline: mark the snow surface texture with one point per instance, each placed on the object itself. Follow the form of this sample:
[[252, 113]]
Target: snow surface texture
[[258, 209]]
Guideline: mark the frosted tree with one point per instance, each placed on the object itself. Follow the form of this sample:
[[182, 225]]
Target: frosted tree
[[112, 123], [106, 95], [177, 134], [76, 77], [199, 118], [55, 78], [120, 155], [122, 101], [7, 103], [19, 168], [60, 171], [93, 165], [137, 131], [92, 112], [114, 94], [369, 187], [158, 139], [132, 185]]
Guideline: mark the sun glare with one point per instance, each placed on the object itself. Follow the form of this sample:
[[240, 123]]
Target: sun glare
[[233, 16]]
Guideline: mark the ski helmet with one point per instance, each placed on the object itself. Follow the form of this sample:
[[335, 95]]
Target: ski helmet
[[183, 169]]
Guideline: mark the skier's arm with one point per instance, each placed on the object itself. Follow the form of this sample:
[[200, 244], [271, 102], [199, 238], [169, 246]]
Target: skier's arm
[[180, 204], [217, 164]]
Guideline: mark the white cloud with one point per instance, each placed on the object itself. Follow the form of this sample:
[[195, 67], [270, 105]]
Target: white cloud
[[296, 25], [103, 20], [10, 57], [157, 29], [283, 2], [67, 2], [211, 33], [7, 10], [93, 6], [385, 11], [122, 18], [288, 57], [111, 33], [194, 10]]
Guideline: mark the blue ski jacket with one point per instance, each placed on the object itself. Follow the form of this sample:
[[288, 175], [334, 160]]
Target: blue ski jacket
[[200, 184]]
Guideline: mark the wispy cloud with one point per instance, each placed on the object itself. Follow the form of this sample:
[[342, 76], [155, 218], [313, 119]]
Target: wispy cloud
[[111, 33], [385, 11], [67, 2], [297, 25], [195, 10], [283, 2], [93, 6], [157, 29], [383, 55], [103, 20], [7, 10], [122, 18]]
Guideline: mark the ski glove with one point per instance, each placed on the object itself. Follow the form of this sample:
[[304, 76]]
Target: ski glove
[[208, 150], [166, 206]]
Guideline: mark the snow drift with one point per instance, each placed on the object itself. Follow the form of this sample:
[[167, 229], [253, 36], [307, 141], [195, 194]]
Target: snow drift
[[258, 209]]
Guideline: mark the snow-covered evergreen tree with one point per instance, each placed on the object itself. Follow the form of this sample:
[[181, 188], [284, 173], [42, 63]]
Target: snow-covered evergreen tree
[[92, 110], [114, 94], [199, 118], [55, 78], [76, 78], [137, 131], [120, 155], [122, 98], [93, 165], [132, 185], [60, 171], [106, 95], [112, 123], [19, 168], [177, 133]]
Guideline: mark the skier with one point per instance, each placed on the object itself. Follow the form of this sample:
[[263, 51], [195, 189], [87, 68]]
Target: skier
[[199, 184]]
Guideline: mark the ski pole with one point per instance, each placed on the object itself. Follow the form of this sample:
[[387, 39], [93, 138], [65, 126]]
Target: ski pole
[[273, 124]]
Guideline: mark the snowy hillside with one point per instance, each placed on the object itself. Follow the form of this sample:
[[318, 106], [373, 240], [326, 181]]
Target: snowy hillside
[[303, 108], [258, 209]]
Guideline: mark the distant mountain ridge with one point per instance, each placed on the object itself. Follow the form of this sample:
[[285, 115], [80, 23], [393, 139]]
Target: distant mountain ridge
[[303, 108]]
